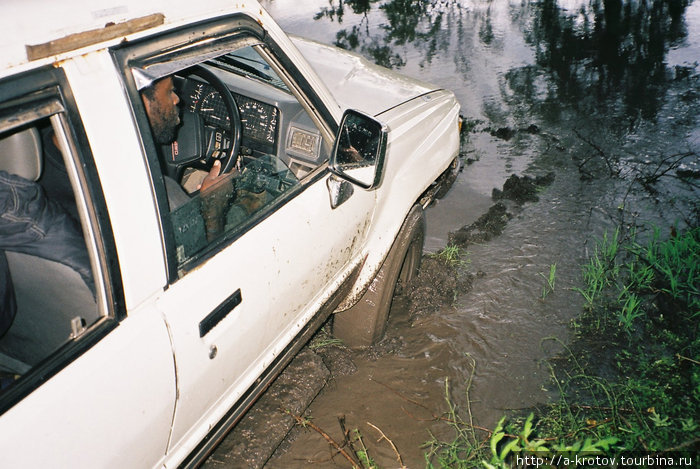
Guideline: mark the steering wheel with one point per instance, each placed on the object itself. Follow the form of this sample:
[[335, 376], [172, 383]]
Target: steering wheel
[[214, 137]]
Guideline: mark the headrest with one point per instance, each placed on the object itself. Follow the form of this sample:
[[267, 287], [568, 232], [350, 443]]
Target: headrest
[[20, 153]]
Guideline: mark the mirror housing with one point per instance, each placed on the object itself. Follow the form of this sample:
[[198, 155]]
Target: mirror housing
[[360, 148]]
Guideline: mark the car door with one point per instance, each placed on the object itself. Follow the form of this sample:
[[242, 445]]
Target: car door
[[236, 300], [230, 318], [83, 384]]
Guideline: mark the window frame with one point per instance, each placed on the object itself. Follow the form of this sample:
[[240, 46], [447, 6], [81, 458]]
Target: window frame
[[19, 95], [147, 51]]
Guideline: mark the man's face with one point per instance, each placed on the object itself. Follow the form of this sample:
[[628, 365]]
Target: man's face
[[162, 110]]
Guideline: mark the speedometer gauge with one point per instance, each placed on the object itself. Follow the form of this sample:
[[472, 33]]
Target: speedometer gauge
[[213, 109], [259, 120], [195, 97]]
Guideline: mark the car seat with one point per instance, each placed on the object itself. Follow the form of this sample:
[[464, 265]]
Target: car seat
[[20, 154], [51, 297]]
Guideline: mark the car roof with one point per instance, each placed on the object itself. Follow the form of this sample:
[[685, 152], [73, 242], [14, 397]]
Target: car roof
[[38, 29]]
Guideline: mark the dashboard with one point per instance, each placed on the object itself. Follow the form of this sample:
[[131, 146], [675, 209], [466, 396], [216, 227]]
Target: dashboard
[[259, 120], [273, 122]]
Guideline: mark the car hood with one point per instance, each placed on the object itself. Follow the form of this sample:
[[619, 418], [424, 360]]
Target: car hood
[[357, 83]]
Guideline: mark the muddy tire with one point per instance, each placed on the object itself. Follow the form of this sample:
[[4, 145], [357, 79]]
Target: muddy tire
[[364, 323]]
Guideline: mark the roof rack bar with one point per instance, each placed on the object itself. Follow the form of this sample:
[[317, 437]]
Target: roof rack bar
[[94, 36]]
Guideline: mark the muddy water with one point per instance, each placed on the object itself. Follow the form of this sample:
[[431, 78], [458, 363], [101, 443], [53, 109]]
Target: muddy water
[[618, 127]]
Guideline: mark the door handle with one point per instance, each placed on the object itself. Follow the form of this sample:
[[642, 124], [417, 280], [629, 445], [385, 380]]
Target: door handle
[[219, 313]]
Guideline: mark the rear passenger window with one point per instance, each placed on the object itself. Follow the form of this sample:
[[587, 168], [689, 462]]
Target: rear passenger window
[[51, 293]]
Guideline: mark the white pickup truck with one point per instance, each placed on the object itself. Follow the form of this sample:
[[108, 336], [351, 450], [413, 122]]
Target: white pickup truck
[[193, 297]]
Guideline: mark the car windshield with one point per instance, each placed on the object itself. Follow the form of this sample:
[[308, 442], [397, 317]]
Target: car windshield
[[249, 63]]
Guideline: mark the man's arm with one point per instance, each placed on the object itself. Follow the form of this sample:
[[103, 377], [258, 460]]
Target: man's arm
[[215, 190]]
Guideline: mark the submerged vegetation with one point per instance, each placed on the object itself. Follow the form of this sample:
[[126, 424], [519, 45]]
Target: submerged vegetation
[[630, 381], [550, 281]]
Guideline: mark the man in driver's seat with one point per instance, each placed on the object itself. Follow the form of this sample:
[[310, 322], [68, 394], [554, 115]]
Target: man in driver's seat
[[161, 102]]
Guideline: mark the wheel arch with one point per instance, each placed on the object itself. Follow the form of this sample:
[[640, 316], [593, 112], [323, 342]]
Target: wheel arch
[[365, 322]]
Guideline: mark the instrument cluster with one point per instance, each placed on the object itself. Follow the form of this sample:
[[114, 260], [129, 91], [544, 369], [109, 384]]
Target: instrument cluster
[[258, 120]]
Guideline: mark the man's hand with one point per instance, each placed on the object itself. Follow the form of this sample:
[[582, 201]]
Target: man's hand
[[211, 179], [350, 155]]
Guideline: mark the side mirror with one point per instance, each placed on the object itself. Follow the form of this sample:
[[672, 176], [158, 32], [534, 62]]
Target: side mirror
[[360, 146]]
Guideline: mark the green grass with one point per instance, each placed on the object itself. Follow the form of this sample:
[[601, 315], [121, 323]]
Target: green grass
[[630, 380], [464, 450], [630, 309], [601, 269], [674, 264], [451, 255], [549, 281], [324, 338], [361, 451]]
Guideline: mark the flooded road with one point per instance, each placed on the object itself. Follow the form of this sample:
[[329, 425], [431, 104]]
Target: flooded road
[[606, 99]]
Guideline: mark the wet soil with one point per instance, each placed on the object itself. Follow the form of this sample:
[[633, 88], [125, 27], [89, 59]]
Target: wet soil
[[517, 190], [266, 424]]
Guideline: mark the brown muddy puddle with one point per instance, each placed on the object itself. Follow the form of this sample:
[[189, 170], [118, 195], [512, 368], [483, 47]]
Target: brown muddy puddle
[[480, 334]]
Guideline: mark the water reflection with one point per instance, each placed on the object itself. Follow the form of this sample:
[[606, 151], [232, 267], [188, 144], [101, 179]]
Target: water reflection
[[591, 53], [424, 23], [609, 50], [359, 7]]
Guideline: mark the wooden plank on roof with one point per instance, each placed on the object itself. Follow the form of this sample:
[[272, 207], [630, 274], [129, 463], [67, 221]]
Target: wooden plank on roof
[[86, 38]]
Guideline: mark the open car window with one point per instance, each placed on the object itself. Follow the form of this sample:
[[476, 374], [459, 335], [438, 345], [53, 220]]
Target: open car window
[[52, 293], [239, 109]]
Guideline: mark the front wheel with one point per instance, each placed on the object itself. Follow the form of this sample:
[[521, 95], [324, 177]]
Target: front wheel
[[364, 323]]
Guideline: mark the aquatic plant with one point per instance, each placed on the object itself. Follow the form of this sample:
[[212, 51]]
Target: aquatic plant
[[550, 280], [601, 269], [464, 450]]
